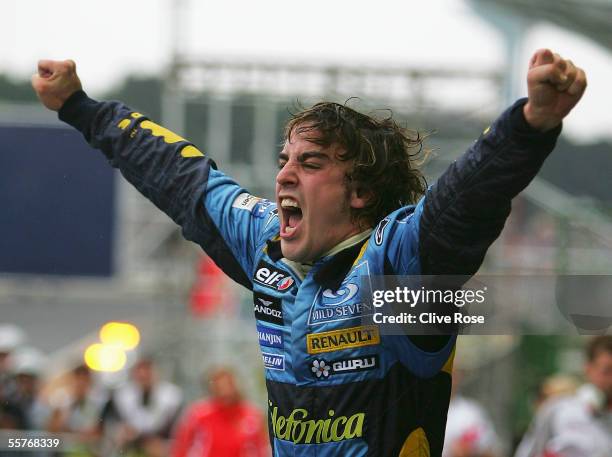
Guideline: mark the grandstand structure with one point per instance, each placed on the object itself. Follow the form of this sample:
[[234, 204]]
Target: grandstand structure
[[590, 18], [235, 109]]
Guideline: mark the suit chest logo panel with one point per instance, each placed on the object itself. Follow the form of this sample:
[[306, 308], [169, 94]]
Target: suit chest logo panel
[[343, 304]]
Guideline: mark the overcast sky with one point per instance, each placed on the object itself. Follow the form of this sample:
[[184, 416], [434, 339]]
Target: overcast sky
[[112, 38]]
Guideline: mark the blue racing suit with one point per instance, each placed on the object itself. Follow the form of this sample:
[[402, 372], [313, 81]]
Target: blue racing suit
[[336, 387]]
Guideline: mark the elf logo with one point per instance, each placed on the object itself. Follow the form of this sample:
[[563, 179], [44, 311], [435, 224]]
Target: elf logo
[[271, 277]]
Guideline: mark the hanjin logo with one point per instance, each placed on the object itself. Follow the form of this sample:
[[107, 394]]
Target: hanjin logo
[[271, 277], [270, 337], [267, 308]]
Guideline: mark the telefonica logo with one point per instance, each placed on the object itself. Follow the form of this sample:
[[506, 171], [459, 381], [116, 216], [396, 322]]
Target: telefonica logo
[[300, 429]]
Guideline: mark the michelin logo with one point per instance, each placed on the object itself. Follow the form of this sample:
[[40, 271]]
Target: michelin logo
[[270, 337], [273, 361]]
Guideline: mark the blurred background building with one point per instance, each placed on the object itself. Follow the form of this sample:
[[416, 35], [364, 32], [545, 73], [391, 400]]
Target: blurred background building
[[81, 248]]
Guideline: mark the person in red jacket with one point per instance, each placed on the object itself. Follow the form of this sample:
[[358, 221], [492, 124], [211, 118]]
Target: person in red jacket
[[224, 425]]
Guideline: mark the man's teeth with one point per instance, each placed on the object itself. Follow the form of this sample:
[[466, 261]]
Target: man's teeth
[[289, 229], [289, 203]]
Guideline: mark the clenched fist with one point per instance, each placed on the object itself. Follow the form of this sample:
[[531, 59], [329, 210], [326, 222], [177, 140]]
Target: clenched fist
[[55, 82], [554, 86]]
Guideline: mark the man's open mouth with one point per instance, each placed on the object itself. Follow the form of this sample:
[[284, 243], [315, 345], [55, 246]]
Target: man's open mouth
[[292, 216]]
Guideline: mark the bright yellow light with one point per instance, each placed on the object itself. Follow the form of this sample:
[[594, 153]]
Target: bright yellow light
[[121, 334], [102, 357]]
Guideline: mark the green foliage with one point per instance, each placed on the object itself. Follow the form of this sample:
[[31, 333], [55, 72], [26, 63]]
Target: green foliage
[[140, 93], [15, 91]]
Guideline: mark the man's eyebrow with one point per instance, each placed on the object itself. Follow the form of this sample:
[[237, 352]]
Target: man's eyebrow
[[306, 155], [312, 155]]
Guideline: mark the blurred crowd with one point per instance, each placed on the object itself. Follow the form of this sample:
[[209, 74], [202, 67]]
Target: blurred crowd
[[143, 417], [146, 416], [570, 418]]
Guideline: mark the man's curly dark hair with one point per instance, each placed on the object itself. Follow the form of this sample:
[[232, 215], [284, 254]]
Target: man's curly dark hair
[[384, 154]]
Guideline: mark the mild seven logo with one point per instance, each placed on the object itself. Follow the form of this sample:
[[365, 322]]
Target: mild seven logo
[[345, 303], [342, 295]]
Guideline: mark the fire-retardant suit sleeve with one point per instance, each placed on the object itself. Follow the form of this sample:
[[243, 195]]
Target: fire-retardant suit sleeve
[[465, 210], [449, 231], [178, 178]]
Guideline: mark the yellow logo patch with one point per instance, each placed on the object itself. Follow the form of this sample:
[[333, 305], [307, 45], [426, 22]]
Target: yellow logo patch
[[345, 338], [159, 131], [416, 445]]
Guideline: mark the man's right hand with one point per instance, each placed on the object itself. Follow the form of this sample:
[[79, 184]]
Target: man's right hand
[[55, 82]]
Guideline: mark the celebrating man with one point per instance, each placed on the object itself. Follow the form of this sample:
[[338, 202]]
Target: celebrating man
[[349, 202]]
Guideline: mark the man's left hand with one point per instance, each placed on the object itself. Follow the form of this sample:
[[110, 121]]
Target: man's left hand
[[554, 86]]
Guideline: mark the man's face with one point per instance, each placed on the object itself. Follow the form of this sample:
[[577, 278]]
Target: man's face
[[4, 357], [313, 200], [81, 383], [223, 388], [144, 374], [599, 372]]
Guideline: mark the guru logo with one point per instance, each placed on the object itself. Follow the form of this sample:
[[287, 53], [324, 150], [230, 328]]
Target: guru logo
[[322, 369]]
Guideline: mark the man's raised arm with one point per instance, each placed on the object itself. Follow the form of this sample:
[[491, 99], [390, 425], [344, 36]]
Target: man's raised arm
[[167, 169], [465, 210]]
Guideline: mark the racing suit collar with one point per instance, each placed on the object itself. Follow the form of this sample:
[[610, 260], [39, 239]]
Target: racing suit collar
[[336, 262]]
